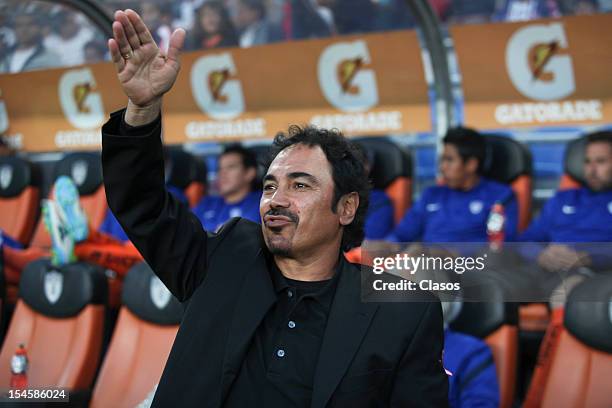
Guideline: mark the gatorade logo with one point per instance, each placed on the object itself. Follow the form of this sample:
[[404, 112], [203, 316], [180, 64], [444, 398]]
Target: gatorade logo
[[344, 78], [4, 120], [536, 62], [82, 106], [216, 87]]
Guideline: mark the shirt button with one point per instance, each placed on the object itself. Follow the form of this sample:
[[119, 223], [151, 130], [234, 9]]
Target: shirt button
[[280, 353], [289, 293], [291, 324]]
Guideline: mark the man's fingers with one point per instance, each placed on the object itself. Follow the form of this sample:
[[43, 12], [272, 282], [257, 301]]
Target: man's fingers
[[144, 35], [118, 60], [177, 39], [128, 28], [121, 39]]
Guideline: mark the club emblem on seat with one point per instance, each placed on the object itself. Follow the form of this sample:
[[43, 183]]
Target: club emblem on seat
[[6, 176], [79, 172], [54, 284], [160, 295]]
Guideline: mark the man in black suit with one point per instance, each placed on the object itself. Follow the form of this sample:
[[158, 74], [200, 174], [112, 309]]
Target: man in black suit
[[274, 316]]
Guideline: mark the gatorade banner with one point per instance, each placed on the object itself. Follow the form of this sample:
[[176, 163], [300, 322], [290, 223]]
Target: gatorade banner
[[538, 73], [363, 85]]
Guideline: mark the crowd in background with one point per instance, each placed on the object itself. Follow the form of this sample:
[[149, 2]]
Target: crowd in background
[[53, 35]]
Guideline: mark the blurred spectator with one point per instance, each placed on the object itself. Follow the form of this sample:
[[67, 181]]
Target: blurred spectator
[[95, 51], [605, 6], [353, 16], [470, 11], [153, 16], [7, 34], [394, 15], [254, 28], [186, 11], [29, 52], [213, 27], [307, 21], [69, 39], [523, 10]]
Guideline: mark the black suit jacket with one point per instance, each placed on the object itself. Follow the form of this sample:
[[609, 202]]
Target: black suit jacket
[[372, 354]]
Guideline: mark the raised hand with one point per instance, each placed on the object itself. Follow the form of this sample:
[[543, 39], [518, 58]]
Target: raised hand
[[144, 71]]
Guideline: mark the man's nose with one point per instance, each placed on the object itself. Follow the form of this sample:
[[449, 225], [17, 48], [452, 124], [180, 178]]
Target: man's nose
[[280, 199]]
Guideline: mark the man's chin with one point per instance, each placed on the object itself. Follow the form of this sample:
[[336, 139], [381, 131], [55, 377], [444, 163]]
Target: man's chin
[[278, 246]]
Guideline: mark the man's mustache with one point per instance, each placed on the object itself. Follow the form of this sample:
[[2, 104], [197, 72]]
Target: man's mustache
[[283, 213]]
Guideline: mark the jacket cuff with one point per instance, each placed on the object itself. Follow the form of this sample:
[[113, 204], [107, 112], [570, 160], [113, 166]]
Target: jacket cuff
[[116, 126]]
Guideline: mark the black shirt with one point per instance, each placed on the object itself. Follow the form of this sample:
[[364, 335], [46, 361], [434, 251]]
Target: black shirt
[[279, 367]]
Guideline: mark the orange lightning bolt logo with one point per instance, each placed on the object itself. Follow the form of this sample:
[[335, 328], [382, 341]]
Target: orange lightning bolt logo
[[347, 70], [541, 55], [216, 80], [80, 93]]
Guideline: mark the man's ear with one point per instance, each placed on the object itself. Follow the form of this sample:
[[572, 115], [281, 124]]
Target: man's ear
[[471, 165], [251, 174], [347, 207]]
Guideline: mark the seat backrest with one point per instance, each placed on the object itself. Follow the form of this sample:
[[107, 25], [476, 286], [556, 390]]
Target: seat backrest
[[60, 319], [85, 169], [19, 197], [573, 165], [391, 171], [486, 314], [188, 173], [143, 336], [582, 365], [509, 162]]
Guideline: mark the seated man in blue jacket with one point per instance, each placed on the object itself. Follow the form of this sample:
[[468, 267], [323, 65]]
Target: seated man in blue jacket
[[457, 211], [582, 215], [236, 176]]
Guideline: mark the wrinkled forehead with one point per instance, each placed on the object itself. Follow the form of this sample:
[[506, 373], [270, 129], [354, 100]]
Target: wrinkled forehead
[[300, 158]]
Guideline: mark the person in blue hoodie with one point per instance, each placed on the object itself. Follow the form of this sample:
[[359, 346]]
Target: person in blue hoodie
[[457, 210], [238, 197], [572, 220]]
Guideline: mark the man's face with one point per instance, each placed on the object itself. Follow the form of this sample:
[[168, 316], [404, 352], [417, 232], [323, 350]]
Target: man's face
[[598, 166], [232, 175], [454, 170], [295, 207], [27, 31]]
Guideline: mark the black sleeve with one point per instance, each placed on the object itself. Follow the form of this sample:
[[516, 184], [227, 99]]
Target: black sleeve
[[421, 380], [167, 234]]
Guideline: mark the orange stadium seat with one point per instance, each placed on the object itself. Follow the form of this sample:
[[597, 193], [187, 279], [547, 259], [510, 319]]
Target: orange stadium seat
[[488, 315], [188, 173], [59, 317], [581, 366], [391, 171], [509, 162], [573, 165], [19, 198], [86, 171], [141, 342]]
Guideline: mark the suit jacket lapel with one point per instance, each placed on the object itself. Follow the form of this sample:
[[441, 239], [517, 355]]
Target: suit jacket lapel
[[254, 300], [347, 323]]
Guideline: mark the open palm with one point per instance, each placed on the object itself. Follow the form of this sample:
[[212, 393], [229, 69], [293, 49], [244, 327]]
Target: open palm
[[144, 71]]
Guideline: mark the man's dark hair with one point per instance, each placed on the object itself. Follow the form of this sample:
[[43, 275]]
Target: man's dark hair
[[603, 136], [348, 172], [469, 144], [248, 157]]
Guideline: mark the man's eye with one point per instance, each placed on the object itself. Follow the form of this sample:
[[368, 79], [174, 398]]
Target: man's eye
[[300, 186], [269, 187]]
